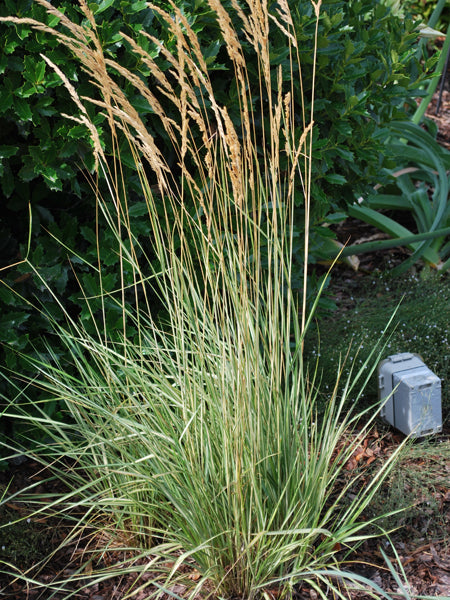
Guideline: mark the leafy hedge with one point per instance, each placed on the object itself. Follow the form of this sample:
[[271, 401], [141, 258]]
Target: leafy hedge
[[367, 75]]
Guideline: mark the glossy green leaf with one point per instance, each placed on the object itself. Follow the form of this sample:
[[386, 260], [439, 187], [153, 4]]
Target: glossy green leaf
[[9, 322], [336, 179], [104, 5], [23, 109], [8, 151]]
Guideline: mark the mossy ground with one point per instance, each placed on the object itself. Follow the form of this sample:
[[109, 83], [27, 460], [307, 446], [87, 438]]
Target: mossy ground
[[25, 541], [27, 537], [421, 324]]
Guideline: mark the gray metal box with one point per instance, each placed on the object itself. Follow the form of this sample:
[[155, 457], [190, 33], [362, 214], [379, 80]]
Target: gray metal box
[[412, 394]]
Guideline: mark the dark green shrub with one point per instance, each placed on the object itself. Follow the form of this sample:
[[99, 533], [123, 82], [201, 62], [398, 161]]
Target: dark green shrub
[[367, 76], [45, 162]]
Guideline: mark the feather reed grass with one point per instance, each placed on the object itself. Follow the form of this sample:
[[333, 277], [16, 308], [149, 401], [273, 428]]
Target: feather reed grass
[[197, 443]]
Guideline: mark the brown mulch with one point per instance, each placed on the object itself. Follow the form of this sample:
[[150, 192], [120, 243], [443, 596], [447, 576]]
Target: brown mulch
[[442, 118], [424, 550], [439, 108]]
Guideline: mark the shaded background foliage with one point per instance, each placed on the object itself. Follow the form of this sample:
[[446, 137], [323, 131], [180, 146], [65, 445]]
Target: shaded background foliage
[[368, 73]]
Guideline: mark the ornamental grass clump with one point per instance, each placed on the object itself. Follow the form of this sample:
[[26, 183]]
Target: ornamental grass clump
[[193, 440]]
